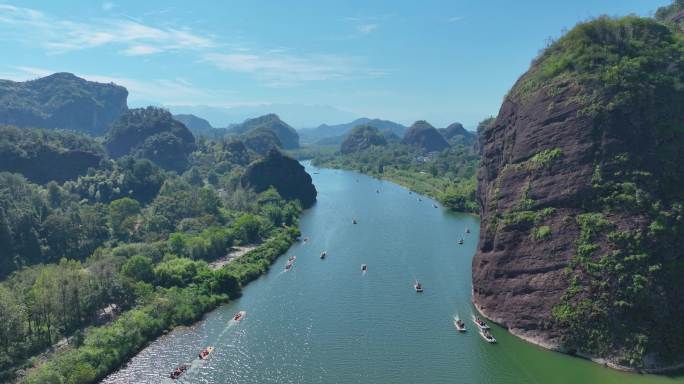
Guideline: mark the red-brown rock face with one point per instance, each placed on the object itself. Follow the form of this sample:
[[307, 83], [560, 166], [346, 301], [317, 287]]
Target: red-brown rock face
[[518, 279]]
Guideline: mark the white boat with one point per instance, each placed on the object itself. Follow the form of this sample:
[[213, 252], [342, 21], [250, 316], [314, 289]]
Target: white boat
[[324, 254], [206, 352], [290, 262], [487, 336], [460, 241], [418, 287], [480, 323], [239, 316], [459, 324]]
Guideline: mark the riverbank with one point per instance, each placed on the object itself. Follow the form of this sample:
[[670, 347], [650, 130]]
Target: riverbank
[[423, 183], [105, 349], [542, 342]]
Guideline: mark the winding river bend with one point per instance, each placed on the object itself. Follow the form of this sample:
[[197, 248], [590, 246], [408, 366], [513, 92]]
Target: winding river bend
[[327, 322]]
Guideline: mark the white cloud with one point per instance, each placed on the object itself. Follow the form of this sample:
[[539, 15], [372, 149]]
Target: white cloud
[[455, 19], [107, 6], [274, 67], [60, 35], [279, 69], [366, 28]]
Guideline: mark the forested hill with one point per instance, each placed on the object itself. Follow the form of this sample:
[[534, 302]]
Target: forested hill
[[581, 245], [61, 101], [95, 242], [287, 137]]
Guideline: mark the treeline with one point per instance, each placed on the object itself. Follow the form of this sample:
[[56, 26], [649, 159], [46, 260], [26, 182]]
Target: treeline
[[450, 175]]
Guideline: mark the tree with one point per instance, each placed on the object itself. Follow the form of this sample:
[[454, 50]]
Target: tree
[[226, 282], [121, 214], [139, 267], [12, 318]]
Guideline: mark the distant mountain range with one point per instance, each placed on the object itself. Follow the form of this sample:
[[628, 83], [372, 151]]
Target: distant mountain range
[[336, 133], [297, 115]]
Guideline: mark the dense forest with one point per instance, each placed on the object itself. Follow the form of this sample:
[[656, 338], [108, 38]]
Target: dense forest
[[99, 258]]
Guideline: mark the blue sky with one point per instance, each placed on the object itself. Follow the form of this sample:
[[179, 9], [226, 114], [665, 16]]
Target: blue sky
[[310, 61]]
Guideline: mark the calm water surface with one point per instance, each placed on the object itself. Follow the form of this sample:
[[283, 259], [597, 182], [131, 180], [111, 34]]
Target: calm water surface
[[327, 322]]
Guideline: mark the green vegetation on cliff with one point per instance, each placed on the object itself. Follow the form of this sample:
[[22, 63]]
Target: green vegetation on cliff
[[44, 155], [151, 133], [61, 101]]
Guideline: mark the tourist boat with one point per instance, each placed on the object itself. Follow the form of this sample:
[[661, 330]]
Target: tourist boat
[[377, 191], [460, 241], [487, 336], [206, 352], [459, 324], [180, 370], [290, 262], [481, 324], [324, 254], [353, 221], [467, 230], [419, 199], [364, 267], [434, 205], [418, 287], [238, 316]]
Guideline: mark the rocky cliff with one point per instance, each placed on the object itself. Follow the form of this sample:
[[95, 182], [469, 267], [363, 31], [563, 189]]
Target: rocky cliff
[[362, 137], [42, 156], [62, 101], [424, 136], [285, 174], [580, 186]]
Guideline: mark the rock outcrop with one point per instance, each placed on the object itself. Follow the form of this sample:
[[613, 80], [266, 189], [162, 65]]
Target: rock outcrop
[[61, 101], [362, 137], [285, 174], [580, 186], [42, 156], [424, 136]]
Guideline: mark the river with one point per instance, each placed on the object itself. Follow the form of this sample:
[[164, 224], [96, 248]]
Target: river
[[327, 322]]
